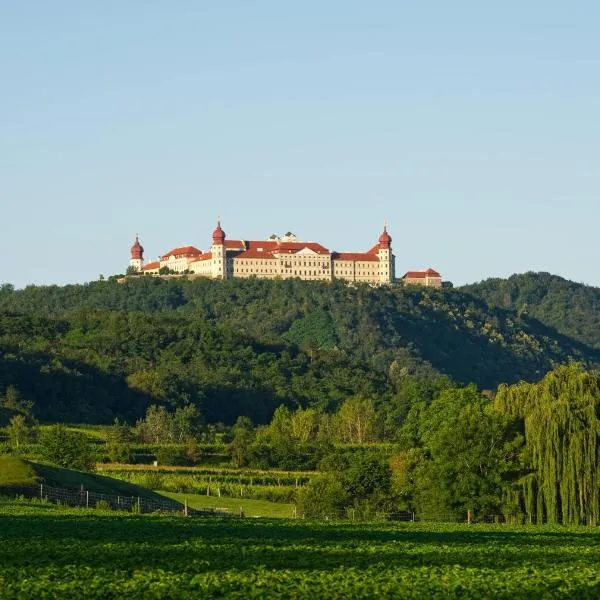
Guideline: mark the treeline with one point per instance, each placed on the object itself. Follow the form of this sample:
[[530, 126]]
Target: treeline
[[90, 353], [530, 454], [571, 308]]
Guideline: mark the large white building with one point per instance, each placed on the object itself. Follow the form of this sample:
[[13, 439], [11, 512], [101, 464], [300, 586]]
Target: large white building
[[278, 257]]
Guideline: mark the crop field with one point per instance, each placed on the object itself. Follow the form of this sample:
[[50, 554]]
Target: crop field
[[53, 552]]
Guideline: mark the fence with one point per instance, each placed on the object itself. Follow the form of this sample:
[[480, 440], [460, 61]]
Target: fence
[[87, 499]]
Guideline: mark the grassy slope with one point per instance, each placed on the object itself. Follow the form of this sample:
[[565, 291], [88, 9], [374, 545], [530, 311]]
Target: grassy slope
[[15, 472], [251, 508], [18, 472]]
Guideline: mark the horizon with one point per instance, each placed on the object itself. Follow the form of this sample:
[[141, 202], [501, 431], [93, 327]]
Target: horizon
[[472, 129]]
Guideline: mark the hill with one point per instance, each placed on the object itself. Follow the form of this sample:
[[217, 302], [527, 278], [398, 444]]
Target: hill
[[573, 309], [88, 353], [15, 472]]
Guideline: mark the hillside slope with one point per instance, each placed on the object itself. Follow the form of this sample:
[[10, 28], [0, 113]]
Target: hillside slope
[[90, 353], [573, 309]]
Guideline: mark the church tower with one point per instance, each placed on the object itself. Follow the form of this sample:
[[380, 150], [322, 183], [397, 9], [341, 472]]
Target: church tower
[[386, 258], [219, 255], [137, 255]]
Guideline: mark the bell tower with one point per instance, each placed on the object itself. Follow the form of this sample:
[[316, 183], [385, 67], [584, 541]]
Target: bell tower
[[386, 258], [137, 255], [219, 255]]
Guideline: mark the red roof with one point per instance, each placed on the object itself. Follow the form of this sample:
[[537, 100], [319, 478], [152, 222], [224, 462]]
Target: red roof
[[186, 251], [266, 245], [137, 250], [234, 244], [151, 266], [293, 247], [218, 235], [421, 274], [355, 256], [205, 256], [385, 239], [256, 254]]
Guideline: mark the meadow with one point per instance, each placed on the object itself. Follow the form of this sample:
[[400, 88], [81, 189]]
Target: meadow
[[55, 552]]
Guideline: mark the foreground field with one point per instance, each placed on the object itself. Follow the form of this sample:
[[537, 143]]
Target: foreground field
[[51, 552]]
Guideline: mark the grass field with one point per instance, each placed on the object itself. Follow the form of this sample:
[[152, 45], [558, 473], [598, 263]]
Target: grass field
[[52, 552], [251, 508], [15, 472]]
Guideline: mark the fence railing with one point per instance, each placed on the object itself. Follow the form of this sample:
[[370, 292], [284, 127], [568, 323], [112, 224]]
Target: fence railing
[[87, 499]]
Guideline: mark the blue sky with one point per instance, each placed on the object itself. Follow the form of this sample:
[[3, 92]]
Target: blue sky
[[472, 127]]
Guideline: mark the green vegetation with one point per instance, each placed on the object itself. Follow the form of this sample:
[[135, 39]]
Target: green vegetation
[[570, 308], [250, 508], [234, 348], [103, 555], [16, 472]]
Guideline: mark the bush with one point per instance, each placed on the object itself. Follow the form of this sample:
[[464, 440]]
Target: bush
[[170, 456], [323, 497], [69, 449]]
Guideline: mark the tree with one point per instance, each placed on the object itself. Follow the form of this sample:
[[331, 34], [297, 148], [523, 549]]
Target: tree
[[185, 422], [157, 426], [118, 442], [356, 420], [18, 431], [240, 444], [323, 497], [69, 449], [12, 402], [559, 420]]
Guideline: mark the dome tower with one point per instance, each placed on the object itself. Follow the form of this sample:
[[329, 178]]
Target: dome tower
[[219, 253], [386, 258], [137, 255]]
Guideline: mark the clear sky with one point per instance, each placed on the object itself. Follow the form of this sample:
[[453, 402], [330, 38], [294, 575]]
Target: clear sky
[[473, 127]]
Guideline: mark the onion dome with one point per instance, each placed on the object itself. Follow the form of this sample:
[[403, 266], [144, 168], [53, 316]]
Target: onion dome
[[218, 235], [137, 250], [385, 239]]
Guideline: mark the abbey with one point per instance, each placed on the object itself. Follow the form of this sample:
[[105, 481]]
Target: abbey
[[278, 257]]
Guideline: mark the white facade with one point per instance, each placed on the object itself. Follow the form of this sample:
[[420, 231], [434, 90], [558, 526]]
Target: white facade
[[281, 257]]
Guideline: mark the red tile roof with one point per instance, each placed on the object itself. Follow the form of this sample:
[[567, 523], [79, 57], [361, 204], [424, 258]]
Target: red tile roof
[[268, 245], [234, 244], [420, 274], [188, 251], [256, 254], [293, 247], [205, 256], [355, 256], [151, 266]]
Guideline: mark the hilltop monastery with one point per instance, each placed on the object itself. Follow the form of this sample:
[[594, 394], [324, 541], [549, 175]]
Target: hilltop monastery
[[281, 257]]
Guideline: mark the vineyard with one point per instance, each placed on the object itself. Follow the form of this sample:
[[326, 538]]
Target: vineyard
[[273, 486], [53, 552]]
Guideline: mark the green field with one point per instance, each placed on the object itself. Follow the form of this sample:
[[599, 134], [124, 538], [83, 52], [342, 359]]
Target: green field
[[52, 552], [251, 508]]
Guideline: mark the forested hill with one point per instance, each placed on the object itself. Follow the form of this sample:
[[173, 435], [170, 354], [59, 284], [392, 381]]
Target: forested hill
[[91, 352], [573, 309]]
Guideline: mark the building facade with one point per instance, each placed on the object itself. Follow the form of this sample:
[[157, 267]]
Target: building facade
[[282, 257], [428, 278]]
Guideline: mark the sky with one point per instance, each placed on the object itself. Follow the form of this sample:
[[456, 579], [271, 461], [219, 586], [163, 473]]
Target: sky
[[472, 127]]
